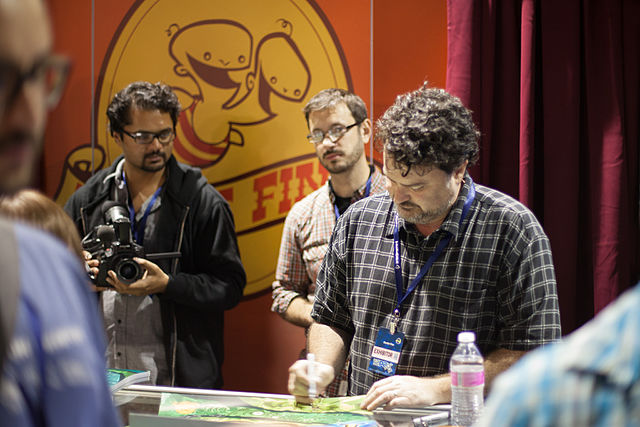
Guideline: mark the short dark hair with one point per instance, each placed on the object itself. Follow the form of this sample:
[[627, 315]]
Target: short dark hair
[[329, 98], [428, 127], [143, 95]]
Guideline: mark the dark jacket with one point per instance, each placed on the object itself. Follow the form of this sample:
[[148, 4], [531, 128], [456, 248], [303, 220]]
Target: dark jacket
[[196, 221]]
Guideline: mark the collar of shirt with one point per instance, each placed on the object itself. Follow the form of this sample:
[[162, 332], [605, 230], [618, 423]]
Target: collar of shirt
[[120, 192], [357, 195], [608, 346], [451, 223], [117, 175]]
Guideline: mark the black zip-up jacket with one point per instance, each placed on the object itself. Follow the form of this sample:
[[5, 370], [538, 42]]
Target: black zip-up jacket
[[195, 220]]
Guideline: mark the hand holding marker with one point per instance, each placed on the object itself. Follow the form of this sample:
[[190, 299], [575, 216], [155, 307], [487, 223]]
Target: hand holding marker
[[311, 374]]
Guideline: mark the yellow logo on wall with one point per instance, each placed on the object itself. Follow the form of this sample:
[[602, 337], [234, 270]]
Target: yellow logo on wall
[[242, 70]]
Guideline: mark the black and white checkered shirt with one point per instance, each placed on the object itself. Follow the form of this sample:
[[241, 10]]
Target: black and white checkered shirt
[[495, 277]]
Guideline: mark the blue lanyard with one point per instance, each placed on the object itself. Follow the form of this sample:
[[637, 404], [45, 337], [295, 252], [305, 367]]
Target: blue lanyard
[[396, 251], [367, 190], [138, 229]]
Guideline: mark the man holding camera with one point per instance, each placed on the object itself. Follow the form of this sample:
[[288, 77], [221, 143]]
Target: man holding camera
[[170, 321]]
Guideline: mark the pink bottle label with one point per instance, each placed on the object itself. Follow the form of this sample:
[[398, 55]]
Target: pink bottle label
[[467, 379]]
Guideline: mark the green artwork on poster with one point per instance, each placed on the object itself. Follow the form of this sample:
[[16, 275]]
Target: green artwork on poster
[[342, 411]]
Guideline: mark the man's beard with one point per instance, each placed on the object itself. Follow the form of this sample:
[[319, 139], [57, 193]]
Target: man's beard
[[423, 217], [347, 162], [154, 167], [18, 176], [18, 137]]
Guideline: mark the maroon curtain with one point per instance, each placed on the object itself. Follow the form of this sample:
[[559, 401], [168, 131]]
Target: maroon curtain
[[555, 91]]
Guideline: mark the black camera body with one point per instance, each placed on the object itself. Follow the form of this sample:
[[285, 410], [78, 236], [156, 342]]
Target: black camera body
[[112, 244]]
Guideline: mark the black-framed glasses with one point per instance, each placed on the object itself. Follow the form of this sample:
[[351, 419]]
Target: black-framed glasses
[[144, 137], [334, 134], [50, 72]]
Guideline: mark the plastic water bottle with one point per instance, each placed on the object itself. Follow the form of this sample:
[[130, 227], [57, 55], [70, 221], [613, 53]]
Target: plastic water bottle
[[467, 381]]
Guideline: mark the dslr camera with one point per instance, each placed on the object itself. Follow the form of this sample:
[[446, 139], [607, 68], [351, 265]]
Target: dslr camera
[[112, 244]]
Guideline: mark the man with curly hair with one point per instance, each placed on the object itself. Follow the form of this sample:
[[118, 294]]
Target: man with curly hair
[[170, 321], [435, 255]]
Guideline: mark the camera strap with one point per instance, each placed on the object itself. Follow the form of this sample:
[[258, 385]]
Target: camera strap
[[10, 289], [137, 228]]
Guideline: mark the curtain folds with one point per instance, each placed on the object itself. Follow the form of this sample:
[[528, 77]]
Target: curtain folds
[[554, 87]]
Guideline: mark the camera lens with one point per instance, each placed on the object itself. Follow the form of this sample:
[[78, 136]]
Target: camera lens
[[128, 271]]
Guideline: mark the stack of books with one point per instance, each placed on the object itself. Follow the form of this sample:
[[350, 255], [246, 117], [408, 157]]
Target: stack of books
[[120, 378]]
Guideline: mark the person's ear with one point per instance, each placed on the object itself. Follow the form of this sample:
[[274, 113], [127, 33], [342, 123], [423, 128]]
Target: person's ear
[[365, 130], [458, 173], [117, 137]]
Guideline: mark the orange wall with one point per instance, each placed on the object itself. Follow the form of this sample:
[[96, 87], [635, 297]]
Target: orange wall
[[409, 48]]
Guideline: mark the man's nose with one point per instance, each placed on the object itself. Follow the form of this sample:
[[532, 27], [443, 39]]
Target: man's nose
[[155, 143], [327, 141], [399, 194], [26, 103]]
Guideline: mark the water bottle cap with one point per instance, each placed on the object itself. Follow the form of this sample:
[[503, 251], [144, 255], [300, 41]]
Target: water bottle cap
[[466, 337]]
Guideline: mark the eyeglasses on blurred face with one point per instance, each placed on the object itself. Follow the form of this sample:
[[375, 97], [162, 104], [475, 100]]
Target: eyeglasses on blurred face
[[49, 73]]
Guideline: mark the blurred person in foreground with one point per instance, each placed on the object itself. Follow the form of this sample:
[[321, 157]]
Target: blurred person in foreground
[[590, 378], [53, 369], [437, 254]]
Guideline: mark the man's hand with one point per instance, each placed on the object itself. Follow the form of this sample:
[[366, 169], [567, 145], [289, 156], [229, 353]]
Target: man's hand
[[154, 280], [92, 269], [299, 380], [407, 391]]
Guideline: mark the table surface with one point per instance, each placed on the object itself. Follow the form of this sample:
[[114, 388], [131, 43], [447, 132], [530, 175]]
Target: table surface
[[148, 401]]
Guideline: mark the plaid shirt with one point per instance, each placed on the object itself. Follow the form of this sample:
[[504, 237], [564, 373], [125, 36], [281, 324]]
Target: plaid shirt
[[305, 240], [592, 378], [495, 277]]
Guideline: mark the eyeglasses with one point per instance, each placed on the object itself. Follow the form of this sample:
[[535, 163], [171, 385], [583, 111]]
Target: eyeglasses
[[50, 72], [334, 134], [143, 137]]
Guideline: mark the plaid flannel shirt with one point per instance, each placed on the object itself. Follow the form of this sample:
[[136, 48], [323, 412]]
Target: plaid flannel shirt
[[495, 277], [591, 378], [305, 239]]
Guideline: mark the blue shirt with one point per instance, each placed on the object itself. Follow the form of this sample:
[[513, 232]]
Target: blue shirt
[[54, 374], [591, 378]]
